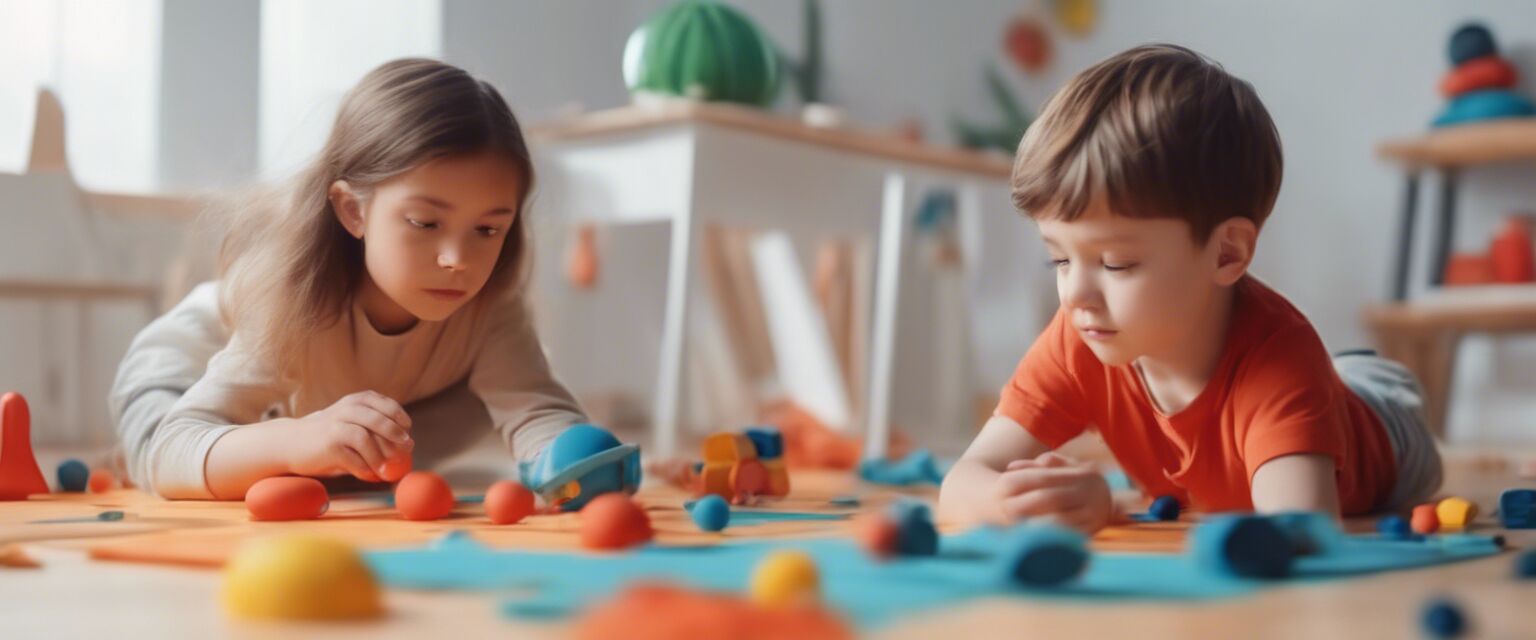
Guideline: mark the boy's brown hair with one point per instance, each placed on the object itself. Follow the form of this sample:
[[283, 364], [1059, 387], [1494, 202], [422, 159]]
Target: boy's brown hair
[[1160, 132]]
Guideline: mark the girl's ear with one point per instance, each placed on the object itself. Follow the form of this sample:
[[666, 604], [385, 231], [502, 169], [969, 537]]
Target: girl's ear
[[348, 210], [1234, 241]]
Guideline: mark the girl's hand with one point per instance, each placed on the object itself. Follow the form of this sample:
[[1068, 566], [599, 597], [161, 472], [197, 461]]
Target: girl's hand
[[356, 435], [1057, 489]]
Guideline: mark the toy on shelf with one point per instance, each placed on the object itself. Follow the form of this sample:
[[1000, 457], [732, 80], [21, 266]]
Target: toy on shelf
[[580, 464], [702, 50], [19, 474], [1481, 83], [741, 467]]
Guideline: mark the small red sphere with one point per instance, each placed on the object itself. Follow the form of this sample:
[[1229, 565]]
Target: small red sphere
[[508, 502], [613, 521], [423, 495], [101, 481], [1425, 521]]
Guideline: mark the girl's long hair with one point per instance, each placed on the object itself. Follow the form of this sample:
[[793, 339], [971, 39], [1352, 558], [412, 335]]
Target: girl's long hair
[[288, 268]]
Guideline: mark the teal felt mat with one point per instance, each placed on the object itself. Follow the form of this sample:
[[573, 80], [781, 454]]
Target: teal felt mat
[[868, 592]]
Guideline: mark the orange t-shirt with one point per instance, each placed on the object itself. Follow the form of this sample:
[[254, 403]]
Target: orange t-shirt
[[1274, 392]]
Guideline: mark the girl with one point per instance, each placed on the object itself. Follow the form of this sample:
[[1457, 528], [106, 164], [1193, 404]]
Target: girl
[[389, 273]]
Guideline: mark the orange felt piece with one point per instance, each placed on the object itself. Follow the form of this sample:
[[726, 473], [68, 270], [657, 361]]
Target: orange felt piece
[[287, 498], [423, 495], [1487, 72], [101, 481], [19, 474], [649, 611], [612, 522], [508, 502]]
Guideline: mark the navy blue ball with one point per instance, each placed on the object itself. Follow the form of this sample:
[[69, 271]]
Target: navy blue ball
[[1472, 40], [915, 533], [1443, 619], [73, 475], [1165, 508], [711, 513], [1394, 528], [1525, 565]]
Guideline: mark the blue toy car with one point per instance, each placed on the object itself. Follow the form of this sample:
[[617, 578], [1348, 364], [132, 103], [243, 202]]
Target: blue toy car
[[580, 464]]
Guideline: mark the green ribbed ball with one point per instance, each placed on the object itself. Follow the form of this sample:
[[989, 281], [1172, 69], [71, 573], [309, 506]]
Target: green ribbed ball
[[704, 50]]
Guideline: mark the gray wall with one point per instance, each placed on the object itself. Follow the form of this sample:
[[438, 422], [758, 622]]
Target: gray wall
[[1338, 77]]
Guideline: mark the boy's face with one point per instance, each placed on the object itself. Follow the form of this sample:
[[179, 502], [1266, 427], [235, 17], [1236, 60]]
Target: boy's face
[[1133, 287]]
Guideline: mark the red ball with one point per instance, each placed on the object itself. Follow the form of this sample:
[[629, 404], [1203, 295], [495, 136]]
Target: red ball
[[877, 534], [612, 522], [1425, 520], [101, 481], [396, 468], [508, 502], [423, 495], [287, 498]]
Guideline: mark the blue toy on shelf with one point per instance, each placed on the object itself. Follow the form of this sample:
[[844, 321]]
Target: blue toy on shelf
[[1488, 104], [580, 464]]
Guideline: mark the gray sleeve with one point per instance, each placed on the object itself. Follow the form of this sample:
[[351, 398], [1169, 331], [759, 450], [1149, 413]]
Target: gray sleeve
[[182, 386], [527, 405], [164, 360]]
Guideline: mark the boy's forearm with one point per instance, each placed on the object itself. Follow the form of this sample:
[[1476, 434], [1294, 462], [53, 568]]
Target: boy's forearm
[[966, 497], [246, 455]]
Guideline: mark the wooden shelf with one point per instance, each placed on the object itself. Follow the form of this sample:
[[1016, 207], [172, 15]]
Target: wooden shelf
[[1494, 141], [637, 117], [1490, 308]]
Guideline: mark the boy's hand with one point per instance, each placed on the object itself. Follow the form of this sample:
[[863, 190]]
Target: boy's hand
[[1057, 489], [356, 435]]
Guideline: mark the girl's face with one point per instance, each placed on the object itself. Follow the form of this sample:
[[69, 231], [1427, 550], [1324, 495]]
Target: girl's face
[[431, 236]]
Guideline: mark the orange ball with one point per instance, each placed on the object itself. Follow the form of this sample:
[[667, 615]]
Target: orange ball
[[1425, 520], [877, 534], [613, 522], [508, 502], [396, 468], [423, 495], [101, 481], [287, 498]]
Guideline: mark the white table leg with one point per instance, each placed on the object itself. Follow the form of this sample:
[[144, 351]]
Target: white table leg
[[674, 333], [893, 225]]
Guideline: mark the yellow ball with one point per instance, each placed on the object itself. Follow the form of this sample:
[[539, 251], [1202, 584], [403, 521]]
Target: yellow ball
[[1456, 513], [786, 578], [299, 577]]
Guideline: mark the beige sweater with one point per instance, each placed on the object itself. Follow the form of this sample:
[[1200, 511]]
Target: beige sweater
[[185, 382]]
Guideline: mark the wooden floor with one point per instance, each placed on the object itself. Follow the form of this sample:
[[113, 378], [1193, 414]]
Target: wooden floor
[[75, 596]]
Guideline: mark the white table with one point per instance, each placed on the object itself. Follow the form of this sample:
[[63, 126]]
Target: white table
[[692, 164]]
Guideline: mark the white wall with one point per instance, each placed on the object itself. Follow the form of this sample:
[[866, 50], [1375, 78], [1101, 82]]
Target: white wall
[[1337, 77]]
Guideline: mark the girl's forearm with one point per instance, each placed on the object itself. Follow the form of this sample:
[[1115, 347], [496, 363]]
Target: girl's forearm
[[245, 455]]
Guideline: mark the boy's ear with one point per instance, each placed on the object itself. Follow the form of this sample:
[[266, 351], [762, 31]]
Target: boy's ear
[[1234, 242], [348, 210]]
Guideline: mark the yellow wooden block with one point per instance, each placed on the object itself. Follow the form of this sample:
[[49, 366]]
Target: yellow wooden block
[[1456, 513], [728, 447]]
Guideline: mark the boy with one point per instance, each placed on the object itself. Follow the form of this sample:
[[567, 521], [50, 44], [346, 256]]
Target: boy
[[1150, 176]]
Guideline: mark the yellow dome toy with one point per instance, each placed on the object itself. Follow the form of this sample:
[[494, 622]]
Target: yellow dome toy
[[786, 578], [299, 577]]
